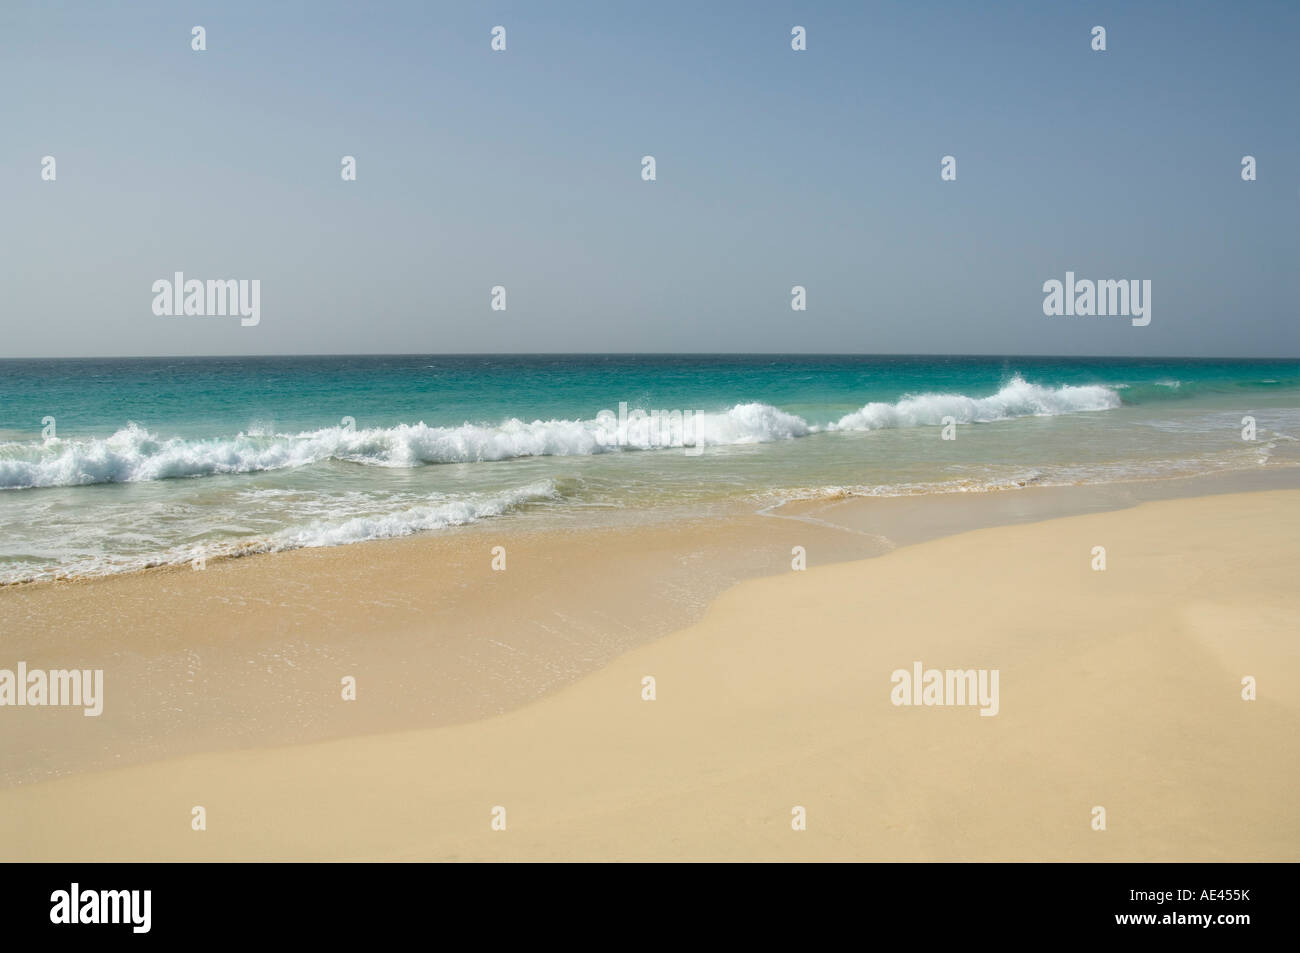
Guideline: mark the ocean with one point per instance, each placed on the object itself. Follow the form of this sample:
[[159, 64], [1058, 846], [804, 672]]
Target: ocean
[[112, 465]]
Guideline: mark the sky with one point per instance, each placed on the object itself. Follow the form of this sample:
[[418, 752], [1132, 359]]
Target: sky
[[774, 168]]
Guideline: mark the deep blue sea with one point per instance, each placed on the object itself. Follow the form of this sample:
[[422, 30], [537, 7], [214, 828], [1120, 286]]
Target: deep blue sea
[[115, 464]]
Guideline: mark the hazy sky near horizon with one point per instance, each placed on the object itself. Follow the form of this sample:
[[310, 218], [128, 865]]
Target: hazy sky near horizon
[[775, 168]]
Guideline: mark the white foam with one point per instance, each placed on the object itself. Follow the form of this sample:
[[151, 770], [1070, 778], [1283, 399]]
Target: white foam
[[1016, 399], [134, 454], [432, 515], [438, 515]]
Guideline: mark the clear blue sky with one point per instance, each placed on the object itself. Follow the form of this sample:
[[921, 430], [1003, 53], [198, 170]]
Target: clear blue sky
[[775, 168]]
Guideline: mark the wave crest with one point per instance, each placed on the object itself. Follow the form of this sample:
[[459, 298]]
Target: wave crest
[[134, 454], [1018, 398]]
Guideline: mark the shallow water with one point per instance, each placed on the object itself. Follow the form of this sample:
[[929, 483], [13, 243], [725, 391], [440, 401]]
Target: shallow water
[[163, 460]]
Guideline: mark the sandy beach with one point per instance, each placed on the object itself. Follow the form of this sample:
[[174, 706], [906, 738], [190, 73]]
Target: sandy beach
[[1119, 689]]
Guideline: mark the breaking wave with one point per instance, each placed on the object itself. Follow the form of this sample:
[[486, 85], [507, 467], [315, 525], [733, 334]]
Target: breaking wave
[[135, 454]]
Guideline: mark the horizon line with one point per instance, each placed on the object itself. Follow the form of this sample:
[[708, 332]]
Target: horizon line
[[506, 354]]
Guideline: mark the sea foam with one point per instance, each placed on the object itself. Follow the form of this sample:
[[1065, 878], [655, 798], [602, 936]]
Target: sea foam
[[134, 454], [1018, 398]]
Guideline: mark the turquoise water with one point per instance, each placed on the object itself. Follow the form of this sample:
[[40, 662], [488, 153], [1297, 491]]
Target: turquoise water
[[109, 465]]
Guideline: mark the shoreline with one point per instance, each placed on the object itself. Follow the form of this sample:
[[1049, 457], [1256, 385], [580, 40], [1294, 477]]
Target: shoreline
[[243, 653], [1111, 494], [780, 695]]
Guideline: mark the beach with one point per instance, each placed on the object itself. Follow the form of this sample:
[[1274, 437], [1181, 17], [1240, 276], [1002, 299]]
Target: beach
[[615, 434], [516, 697]]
